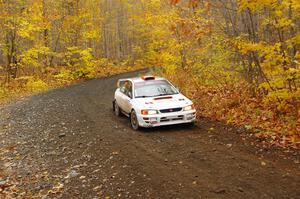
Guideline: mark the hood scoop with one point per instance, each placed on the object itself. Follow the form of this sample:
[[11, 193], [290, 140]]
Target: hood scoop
[[162, 98]]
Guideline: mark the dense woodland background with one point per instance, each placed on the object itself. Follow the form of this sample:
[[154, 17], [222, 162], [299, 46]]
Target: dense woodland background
[[238, 59]]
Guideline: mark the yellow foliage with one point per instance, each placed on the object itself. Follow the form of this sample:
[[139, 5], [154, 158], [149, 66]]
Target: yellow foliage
[[36, 85], [2, 92], [64, 76], [254, 4], [30, 58]]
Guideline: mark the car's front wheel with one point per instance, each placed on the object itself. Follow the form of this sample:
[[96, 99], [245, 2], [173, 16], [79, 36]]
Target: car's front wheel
[[134, 121], [116, 107]]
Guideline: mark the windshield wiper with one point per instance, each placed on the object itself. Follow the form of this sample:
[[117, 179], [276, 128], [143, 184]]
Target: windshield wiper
[[163, 95], [143, 96]]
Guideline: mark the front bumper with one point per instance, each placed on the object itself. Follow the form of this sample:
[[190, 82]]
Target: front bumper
[[163, 119]]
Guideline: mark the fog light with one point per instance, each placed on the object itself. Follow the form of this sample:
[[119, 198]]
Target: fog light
[[190, 116], [153, 120]]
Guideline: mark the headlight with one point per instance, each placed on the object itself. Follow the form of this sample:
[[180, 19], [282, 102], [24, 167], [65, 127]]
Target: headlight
[[149, 112], [188, 108]]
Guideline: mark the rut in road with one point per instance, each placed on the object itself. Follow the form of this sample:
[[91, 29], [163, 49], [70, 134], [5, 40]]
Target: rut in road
[[68, 141]]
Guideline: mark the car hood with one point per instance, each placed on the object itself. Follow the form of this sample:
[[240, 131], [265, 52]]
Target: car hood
[[163, 102]]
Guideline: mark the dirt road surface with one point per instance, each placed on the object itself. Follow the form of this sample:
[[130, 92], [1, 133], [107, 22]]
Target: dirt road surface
[[67, 143]]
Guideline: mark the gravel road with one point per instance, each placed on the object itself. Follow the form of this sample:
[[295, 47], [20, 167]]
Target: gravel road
[[67, 143]]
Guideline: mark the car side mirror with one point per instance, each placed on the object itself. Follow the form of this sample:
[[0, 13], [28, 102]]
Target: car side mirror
[[130, 94]]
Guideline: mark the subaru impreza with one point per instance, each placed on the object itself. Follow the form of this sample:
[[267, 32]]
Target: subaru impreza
[[151, 101]]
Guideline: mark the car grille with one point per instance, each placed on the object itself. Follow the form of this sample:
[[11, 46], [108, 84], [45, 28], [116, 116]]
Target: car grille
[[168, 119], [170, 110]]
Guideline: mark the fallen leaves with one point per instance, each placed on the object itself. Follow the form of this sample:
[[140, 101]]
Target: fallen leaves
[[263, 163], [234, 104], [271, 139], [3, 186], [56, 189], [72, 174]]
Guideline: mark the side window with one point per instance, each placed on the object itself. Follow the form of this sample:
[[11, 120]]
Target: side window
[[122, 86], [129, 94], [128, 89]]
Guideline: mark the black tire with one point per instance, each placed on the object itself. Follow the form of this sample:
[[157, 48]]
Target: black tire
[[134, 121], [116, 108]]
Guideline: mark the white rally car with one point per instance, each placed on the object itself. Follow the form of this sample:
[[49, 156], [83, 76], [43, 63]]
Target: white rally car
[[152, 101]]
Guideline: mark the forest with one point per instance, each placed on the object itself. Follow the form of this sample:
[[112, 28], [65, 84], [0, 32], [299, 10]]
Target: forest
[[237, 59]]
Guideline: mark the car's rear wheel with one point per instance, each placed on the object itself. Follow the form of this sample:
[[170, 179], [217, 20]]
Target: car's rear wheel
[[117, 110], [134, 121]]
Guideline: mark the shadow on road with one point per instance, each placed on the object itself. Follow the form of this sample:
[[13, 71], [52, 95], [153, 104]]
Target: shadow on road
[[168, 129]]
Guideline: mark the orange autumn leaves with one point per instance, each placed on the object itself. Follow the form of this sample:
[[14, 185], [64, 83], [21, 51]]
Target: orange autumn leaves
[[254, 42], [195, 27], [191, 3]]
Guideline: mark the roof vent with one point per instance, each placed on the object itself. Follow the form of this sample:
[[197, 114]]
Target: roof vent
[[148, 78]]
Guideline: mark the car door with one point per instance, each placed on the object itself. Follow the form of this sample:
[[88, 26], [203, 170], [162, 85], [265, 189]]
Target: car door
[[119, 94], [127, 96], [123, 95]]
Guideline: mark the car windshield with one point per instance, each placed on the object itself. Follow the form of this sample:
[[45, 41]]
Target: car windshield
[[154, 88]]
